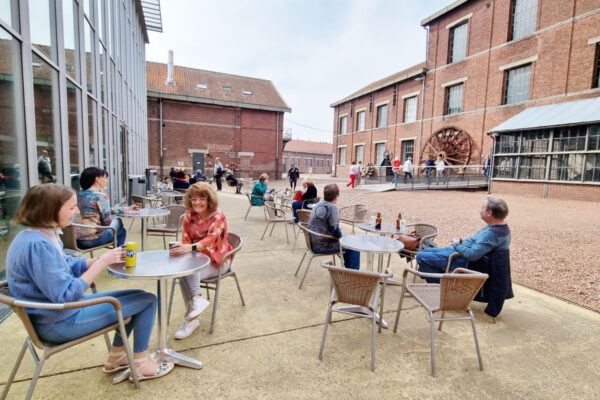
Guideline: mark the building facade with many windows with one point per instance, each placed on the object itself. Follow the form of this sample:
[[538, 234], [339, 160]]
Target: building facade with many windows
[[72, 94], [488, 61]]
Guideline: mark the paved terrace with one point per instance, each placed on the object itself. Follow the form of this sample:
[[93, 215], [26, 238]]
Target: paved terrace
[[540, 347]]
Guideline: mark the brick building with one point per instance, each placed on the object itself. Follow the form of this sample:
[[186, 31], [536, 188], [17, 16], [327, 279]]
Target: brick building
[[305, 154], [488, 61], [199, 115]]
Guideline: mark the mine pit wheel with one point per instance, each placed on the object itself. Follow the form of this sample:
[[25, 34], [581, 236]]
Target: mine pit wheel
[[453, 144]]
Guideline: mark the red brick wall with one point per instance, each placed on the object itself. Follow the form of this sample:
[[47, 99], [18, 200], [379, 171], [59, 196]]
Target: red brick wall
[[304, 169], [564, 191], [219, 129]]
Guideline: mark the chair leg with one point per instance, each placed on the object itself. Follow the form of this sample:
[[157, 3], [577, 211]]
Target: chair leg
[[296, 234], [476, 340], [286, 232], [214, 312], [265, 231], [272, 227], [249, 207], [36, 375], [442, 321], [327, 319], [373, 333], [173, 282], [14, 370], [399, 307], [164, 241], [239, 288], [310, 257], [333, 258], [301, 261], [265, 212], [432, 338]]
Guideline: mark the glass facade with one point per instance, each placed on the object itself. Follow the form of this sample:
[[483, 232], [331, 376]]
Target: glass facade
[[568, 154], [58, 97]]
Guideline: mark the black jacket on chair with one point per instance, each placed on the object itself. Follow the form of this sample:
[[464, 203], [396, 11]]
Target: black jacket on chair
[[498, 286]]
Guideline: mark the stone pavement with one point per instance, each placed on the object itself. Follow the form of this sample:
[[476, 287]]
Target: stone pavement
[[540, 347]]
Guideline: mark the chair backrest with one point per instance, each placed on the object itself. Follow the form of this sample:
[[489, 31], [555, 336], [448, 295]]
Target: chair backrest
[[20, 311], [426, 231], [303, 215], [236, 242], [181, 190], [354, 286], [458, 289], [272, 210], [69, 238], [172, 220]]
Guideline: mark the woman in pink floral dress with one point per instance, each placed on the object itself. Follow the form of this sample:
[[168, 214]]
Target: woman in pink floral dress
[[204, 230]]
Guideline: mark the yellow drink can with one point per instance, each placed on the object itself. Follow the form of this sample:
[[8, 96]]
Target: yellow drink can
[[130, 254]]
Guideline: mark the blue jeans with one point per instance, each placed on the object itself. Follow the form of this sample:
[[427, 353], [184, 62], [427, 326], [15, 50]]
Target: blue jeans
[[435, 259], [296, 205], [137, 304], [395, 177], [106, 237], [351, 257], [407, 175]]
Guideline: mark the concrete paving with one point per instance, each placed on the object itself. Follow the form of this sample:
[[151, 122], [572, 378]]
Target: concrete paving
[[539, 348]]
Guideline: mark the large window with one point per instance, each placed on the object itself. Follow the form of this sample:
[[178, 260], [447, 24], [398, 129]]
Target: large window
[[382, 112], [410, 109], [516, 87], [592, 168], [566, 167], [360, 121], [454, 96], [457, 48], [534, 141], [343, 125], [523, 18], [596, 82], [360, 153], [569, 139], [408, 149], [532, 167], [342, 156], [379, 153]]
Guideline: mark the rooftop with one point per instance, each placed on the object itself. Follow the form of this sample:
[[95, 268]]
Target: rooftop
[[305, 146], [443, 11]]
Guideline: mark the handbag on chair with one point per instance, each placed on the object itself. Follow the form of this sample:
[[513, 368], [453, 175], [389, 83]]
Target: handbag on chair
[[410, 240]]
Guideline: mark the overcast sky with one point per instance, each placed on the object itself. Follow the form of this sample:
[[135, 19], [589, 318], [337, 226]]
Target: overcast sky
[[314, 51]]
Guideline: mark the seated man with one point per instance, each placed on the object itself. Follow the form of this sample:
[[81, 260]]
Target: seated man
[[494, 236], [200, 177], [165, 183], [230, 179]]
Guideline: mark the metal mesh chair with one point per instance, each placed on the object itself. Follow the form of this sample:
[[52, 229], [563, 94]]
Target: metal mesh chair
[[214, 283], [69, 239], [353, 214], [303, 216], [171, 225], [48, 349], [250, 196], [309, 250], [454, 293], [277, 215], [357, 288]]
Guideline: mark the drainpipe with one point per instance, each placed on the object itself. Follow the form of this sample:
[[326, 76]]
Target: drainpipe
[[423, 98], [160, 130], [277, 150], [335, 149]]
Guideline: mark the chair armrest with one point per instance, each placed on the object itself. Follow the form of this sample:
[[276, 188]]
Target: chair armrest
[[456, 253], [71, 305], [420, 274]]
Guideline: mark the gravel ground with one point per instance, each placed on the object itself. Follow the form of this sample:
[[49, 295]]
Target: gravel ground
[[554, 242]]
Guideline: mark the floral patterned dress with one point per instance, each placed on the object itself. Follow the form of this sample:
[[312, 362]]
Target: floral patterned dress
[[210, 232]]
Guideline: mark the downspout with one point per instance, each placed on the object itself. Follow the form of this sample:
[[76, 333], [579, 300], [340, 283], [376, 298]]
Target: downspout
[[277, 150], [335, 150], [423, 97], [160, 127]]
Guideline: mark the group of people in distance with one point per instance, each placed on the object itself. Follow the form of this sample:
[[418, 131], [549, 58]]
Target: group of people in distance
[[181, 180]]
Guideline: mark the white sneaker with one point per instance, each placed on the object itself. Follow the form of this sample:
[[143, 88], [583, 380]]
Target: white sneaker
[[196, 306], [186, 329]]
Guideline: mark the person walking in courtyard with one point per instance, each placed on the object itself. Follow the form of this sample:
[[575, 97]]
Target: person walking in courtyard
[[407, 169], [352, 172], [218, 173], [293, 175], [395, 169], [359, 171], [440, 165], [429, 164]]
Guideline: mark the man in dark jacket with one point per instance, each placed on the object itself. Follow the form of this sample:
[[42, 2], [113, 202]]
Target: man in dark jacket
[[308, 197]]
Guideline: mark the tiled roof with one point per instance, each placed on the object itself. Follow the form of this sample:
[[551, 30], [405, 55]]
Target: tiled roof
[[260, 93], [304, 146], [400, 76]]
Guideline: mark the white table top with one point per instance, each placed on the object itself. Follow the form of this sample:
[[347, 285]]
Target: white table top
[[159, 264], [145, 212], [386, 228], [371, 243], [171, 194]]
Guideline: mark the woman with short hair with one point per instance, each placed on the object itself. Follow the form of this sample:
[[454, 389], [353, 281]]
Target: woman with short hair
[[308, 197], [259, 190], [38, 270], [204, 230]]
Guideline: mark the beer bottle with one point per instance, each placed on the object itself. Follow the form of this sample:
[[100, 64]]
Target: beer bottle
[[398, 221], [378, 221]]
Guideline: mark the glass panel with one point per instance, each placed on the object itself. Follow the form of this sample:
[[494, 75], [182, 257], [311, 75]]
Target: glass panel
[[535, 141], [342, 160], [569, 139], [382, 116], [505, 167], [379, 151], [105, 139], [517, 84], [70, 25], [532, 167], [89, 58], [524, 17], [360, 153], [91, 130], [410, 109], [594, 140], [508, 143], [75, 150], [566, 167], [9, 12], [360, 121], [458, 42], [102, 69], [45, 95], [42, 24], [13, 161], [101, 20], [592, 168], [343, 125], [123, 160], [454, 99]]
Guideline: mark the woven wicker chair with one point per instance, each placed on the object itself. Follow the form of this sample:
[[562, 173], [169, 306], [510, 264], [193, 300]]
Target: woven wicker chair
[[277, 215], [427, 232], [48, 349], [353, 214], [69, 239], [147, 202], [250, 196], [454, 293], [358, 288], [303, 216], [214, 283], [310, 251], [171, 225]]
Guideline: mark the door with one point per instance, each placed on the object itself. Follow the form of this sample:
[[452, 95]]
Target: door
[[198, 159]]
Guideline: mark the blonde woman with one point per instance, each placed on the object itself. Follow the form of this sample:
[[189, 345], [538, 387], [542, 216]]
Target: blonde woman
[[308, 196]]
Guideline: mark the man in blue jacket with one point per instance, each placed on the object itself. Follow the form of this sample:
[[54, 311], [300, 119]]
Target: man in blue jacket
[[496, 235]]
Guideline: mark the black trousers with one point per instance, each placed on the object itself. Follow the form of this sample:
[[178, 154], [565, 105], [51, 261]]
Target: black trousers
[[218, 180]]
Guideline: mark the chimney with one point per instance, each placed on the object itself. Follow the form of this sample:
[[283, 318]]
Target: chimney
[[170, 80]]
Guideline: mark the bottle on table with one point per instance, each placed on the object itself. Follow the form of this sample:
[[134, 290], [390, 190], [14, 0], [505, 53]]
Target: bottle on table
[[378, 221], [399, 221]]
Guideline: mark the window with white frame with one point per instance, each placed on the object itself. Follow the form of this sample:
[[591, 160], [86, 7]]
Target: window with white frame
[[454, 96], [379, 152], [360, 121], [342, 156], [410, 109], [516, 87], [408, 149], [328, 163], [359, 150], [523, 18], [343, 125], [457, 48], [382, 112]]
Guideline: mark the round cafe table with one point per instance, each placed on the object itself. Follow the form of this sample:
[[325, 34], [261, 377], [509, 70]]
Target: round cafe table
[[161, 266], [386, 228], [144, 214]]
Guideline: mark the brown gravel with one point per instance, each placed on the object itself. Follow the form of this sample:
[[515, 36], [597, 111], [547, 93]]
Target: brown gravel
[[554, 245]]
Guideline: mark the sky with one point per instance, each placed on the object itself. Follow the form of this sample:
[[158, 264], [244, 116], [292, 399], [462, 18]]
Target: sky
[[314, 51]]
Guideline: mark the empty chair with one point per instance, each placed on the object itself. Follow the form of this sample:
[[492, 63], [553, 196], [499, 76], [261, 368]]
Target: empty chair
[[171, 225], [146, 202], [353, 214], [310, 251], [214, 283], [250, 196], [69, 239], [48, 350], [276, 215], [454, 293], [356, 288], [303, 216]]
